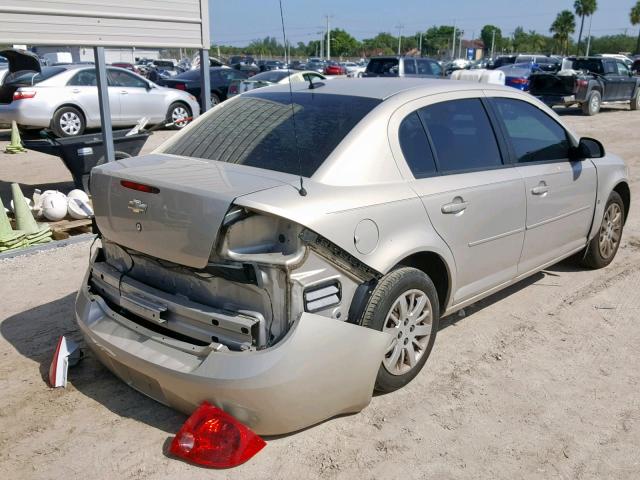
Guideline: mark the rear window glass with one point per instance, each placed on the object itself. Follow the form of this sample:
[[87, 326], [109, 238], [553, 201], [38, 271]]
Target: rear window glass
[[29, 77], [256, 129], [462, 135], [273, 76], [383, 66], [594, 66]]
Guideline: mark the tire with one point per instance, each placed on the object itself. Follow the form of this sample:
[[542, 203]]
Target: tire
[[178, 110], [603, 247], [68, 122], [635, 101], [592, 105], [384, 308], [215, 100]]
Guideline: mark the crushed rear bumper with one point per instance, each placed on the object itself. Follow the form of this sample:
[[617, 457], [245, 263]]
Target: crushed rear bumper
[[321, 368]]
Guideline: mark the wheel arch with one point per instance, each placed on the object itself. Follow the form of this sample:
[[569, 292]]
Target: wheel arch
[[624, 191], [72, 105], [433, 265]]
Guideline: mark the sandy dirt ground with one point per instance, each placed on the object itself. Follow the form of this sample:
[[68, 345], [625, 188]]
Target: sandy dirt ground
[[539, 381]]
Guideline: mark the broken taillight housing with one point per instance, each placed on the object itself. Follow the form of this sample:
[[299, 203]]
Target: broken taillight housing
[[213, 438]]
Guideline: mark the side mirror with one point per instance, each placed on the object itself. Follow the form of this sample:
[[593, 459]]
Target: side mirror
[[588, 148]]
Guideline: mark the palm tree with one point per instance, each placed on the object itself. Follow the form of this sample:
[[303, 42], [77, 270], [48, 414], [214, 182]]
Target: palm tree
[[584, 8], [635, 20], [563, 26]]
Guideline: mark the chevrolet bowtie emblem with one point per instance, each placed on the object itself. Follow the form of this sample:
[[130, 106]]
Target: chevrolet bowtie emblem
[[136, 206]]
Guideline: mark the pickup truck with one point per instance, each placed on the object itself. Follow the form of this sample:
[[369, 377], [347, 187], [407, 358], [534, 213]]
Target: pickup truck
[[588, 82]]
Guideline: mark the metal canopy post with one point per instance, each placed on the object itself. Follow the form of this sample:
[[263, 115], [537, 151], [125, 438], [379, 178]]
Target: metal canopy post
[[103, 101], [205, 81]]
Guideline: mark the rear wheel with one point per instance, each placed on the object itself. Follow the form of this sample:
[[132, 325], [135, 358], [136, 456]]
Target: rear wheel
[[635, 101], [179, 114], [592, 105], [405, 305], [603, 247], [68, 122], [215, 100]]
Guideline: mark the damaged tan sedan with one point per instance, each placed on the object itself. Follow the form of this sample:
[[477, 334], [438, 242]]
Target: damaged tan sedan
[[289, 252]]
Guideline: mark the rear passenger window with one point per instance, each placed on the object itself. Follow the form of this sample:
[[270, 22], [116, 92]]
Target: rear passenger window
[[462, 136], [415, 147], [409, 67], [424, 67], [534, 136]]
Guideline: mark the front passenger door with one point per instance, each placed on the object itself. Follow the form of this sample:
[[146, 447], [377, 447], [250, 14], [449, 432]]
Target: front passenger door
[[560, 193], [627, 82], [137, 99]]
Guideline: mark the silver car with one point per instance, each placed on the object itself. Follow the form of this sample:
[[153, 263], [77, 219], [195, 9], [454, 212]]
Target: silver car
[[65, 99], [287, 253]]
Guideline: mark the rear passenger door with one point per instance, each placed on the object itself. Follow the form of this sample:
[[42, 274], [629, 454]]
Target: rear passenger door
[[475, 204], [560, 193], [612, 81], [83, 91]]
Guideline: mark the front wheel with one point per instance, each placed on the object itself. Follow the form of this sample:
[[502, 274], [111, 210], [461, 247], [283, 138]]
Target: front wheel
[[603, 247], [179, 115], [405, 305]]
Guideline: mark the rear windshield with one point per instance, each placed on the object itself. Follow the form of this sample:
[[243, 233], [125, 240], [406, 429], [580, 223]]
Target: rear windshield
[[256, 129], [383, 66], [29, 77]]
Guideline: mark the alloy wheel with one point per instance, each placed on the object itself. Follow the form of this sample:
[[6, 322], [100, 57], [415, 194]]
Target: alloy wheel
[[409, 322], [179, 116], [610, 231], [70, 123]]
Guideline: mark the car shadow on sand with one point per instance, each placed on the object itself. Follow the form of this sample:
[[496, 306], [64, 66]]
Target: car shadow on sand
[[34, 333]]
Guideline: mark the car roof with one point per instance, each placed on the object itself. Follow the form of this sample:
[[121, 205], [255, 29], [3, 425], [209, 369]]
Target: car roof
[[382, 88]]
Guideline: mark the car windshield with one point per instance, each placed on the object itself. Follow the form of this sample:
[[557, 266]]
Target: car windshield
[[383, 66], [273, 76], [257, 130], [30, 77], [516, 69]]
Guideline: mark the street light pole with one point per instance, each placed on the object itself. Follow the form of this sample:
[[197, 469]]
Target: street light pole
[[453, 43], [399, 27], [493, 42], [328, 39], [589, 35], [420, 43]]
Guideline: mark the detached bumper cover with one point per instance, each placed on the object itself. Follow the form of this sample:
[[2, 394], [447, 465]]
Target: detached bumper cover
[[322, 368]]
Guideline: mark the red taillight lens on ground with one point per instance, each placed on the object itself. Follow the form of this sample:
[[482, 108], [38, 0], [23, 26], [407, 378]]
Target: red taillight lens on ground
[[213, 438], [23, 94], [140, 187]]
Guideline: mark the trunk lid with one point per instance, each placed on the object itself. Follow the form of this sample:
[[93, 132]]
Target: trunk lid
[[552, 84], [21, 60], [180, 221]]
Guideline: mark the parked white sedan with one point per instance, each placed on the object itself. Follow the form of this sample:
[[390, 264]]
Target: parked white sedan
[[273, 77], [65, 98]]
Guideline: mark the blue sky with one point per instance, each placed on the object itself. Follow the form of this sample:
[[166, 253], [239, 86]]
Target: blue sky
[[240, 21]]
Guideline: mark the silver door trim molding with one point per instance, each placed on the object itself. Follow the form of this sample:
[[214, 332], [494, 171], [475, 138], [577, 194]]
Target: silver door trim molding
[[559, 217], [496, 237]]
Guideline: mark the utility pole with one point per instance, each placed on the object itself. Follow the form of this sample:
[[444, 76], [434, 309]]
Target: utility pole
[[453, 43], [399, 27], [589, 35], [321, 44], [460, 47], [420, 43], [328, 38], [493, 42]]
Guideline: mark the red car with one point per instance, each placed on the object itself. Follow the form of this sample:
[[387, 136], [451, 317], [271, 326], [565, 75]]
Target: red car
[[335, 69]]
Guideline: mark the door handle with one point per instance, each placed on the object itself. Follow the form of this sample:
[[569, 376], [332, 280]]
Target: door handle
[[458, 205], [541, 189], [123, 92], [76, 90]]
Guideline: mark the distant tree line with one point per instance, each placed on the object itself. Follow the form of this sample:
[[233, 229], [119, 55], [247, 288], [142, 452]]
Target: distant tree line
[[441, 41]]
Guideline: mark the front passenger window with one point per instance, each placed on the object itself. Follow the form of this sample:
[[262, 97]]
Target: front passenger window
[[534, 136]]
